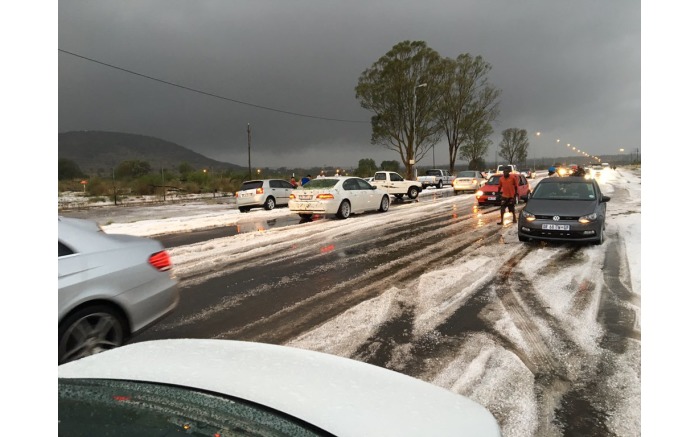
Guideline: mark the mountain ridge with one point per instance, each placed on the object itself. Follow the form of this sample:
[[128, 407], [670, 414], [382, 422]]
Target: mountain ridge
[[98, 152]]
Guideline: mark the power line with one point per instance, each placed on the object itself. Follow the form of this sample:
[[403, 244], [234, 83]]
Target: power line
[[209, 94]]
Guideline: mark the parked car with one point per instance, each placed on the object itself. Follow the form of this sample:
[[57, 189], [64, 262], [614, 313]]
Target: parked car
[[488, 194], [394, 183], [109, 287], [341, 196], [468, 180], [436, 177], [265, 193], [565, 209], [206, 387]]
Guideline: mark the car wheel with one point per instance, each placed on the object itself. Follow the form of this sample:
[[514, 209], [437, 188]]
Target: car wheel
[[398, 196], [601, 236], [344, 210], [270, 203], [424, 186], [412, 193], [90, 330], [384, 204], [439, 184]]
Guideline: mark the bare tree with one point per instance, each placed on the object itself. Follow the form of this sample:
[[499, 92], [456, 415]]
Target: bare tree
[[404, 108], [514, 145], [469, 104]]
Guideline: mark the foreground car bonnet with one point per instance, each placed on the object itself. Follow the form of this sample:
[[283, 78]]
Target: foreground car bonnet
[[340, 395]]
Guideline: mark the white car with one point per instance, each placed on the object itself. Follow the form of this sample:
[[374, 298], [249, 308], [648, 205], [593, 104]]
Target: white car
[[265, 193], [468, 180], [342, 196], [226, 387], [109, 287]]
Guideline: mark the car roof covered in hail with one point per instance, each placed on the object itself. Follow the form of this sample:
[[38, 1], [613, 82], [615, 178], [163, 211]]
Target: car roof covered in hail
[[339, 395]]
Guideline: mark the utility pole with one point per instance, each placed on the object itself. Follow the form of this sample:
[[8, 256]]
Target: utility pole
[[250, 174]]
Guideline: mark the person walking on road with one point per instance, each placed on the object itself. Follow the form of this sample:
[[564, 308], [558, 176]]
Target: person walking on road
[[508, 188]]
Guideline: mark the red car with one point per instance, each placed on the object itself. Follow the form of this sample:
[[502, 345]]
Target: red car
[[488, 194]]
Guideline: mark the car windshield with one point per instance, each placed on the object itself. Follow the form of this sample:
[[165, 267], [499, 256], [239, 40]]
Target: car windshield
[[565, 191], [493, 180], [467, 174], [126, 408], [320, 183]]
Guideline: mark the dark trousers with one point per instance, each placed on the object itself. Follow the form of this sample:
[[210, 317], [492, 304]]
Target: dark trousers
[[508, 202]]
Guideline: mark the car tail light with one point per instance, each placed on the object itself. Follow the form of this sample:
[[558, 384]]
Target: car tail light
[[236, 195], [259, 190], [161, 261], [325, 196], [473, 181], [292, 196]]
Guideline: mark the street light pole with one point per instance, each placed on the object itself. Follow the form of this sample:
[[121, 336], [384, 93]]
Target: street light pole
[[413, 121]]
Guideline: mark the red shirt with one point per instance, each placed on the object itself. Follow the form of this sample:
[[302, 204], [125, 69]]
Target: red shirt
[[508, 186]]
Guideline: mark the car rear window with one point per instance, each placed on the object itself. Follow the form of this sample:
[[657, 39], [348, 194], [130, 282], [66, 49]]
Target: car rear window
[[251, 185], [320, 183]]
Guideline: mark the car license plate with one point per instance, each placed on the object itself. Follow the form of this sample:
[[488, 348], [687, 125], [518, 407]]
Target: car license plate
[[246, 195], [305, 197], [556, 227], [492, 198]]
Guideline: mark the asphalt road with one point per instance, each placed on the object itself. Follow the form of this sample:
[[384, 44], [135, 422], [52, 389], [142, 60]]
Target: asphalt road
[[272, 297]]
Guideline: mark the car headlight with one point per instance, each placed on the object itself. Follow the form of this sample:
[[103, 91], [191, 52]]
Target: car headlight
[[588, 218], [528, 216], [479, 193]]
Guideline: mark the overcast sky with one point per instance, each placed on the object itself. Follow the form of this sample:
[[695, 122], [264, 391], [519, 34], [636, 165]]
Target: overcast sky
[[569, 69]]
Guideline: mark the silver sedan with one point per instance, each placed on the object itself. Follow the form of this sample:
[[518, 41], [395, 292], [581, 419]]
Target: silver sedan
[[109, 287], [468, 180], [341, 196]]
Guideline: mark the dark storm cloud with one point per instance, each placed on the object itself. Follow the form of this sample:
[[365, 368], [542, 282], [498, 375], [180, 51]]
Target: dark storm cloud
[[568, 69]]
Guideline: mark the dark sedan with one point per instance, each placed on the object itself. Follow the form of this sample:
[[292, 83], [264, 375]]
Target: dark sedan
[[564, 209]]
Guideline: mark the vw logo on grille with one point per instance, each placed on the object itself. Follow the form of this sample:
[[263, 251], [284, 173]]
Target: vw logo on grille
[[556, 218]]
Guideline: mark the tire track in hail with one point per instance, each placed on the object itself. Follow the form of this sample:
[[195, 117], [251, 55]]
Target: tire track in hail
[[400, 248]]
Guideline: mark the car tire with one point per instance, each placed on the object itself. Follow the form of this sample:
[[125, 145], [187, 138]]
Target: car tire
[[270, 203], [424, 186], [601, 236], [344, 210], [398, 196], [439, 184], [91, 330], [413, 192], [384, 204], [244, 209]]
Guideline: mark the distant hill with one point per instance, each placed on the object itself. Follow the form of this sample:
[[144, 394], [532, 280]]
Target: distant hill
[[97, 152]]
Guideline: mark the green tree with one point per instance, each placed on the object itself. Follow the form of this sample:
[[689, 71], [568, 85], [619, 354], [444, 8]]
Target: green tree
[[404, 117], [366, 167], [468, 106], [514, 145], [390, 166], [68, 169], [477, 164], [185, 170], [132, 169], [477, 142]]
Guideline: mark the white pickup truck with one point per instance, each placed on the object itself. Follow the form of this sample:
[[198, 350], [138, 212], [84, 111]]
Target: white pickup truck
[[436, 178], [396, 185]]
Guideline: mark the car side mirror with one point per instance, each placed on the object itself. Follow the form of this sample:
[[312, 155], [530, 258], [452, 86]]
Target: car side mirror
[[373, 187], [605, 198]]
